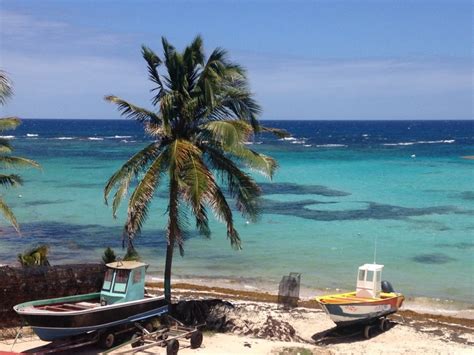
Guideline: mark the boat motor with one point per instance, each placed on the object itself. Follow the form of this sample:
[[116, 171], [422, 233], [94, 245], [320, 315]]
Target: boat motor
[[387, 287]]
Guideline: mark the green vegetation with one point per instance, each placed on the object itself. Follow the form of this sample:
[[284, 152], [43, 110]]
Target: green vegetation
[[109, 256], [204, 113], [37, 256], [295, 351], [131, 255], [8, 180]]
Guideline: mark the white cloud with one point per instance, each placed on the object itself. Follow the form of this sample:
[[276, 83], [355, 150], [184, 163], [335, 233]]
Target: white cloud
[[73, 86], [382, 76], [18, 26], [21, 31], [60, 70], [364, 88]]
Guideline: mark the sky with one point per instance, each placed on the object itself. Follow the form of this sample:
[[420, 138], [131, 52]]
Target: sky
[[331, 60]]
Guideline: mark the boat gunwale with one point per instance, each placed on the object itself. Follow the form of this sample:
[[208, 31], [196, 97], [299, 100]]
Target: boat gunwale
[[351, 298], [27, 308]]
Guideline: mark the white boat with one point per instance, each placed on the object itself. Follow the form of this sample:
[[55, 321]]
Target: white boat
[[372, 300]]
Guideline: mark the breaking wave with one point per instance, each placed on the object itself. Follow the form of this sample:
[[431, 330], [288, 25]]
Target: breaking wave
[[445, 141], [331, 145], [118, 137]]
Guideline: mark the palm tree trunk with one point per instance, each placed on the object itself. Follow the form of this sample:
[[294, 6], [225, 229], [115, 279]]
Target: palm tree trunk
[[173, 233], [169, 259]]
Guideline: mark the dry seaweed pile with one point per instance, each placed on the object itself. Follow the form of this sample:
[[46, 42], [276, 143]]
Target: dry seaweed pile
[[221, 316]]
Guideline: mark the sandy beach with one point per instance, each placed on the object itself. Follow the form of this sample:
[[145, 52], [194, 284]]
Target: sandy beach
[[407, 336], [260, 326]]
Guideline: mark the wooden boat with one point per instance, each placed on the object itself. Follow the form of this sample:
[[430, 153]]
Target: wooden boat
[[371, 301], [122, 300]]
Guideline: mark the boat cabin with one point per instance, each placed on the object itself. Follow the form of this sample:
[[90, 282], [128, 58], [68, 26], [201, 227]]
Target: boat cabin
[[369, 280], [124, 281]]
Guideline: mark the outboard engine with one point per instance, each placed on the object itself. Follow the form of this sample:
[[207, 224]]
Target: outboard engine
[[387, 287]]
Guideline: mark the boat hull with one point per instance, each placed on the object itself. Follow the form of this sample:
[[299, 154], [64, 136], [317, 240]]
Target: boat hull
[[361, 312], [51, 326]]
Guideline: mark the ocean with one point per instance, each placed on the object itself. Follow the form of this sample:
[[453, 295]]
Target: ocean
[[342, 190]]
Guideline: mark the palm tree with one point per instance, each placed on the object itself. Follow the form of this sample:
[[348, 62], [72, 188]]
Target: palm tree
[[6, 160], [5, 88], [37, 256], [203, 113]]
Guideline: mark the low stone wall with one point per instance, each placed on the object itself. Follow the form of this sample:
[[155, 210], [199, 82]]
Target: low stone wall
[[19, 285]]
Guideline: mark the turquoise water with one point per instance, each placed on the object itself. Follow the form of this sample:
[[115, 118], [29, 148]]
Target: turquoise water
[[340, 186]]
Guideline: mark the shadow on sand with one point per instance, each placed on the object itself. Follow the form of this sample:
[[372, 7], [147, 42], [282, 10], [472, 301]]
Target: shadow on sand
[[349, 334]]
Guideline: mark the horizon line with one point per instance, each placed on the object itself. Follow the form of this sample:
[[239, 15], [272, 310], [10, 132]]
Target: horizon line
[[271, 119]]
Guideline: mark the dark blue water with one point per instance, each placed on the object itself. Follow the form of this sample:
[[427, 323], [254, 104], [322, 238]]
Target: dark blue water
[[357, 133]]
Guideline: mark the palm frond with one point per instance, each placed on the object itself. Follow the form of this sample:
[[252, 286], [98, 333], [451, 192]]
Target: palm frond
[[243, 106], [200, 187], [168, 49], [217, 63], [219, 205], [8, 215], [256, 161], [194, 179], [230, 98], [139, 201], [168, 109], [241, 186], [8, 123], [202, 222], [194, 53], [5, 146], [131, 168], [280, 133], [193, 173], [174, 65], [131, 111], [6, 90], [153, 62], [193, 58], [228, 133], [11, 180], [18, 162]]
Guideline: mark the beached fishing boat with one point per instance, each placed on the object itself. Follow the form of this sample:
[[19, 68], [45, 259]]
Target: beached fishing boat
[[373, 300], [122, 300]]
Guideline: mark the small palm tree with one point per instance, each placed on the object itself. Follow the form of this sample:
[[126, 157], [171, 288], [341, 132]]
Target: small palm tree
[[37, 256], [204, 112], [109, 256], [6, 160]]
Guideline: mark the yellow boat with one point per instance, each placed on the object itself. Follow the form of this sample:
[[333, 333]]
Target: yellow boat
[[373, 299]]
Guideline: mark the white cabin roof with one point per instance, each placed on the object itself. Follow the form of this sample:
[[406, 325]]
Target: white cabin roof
[[126, 265], [371, 267]]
